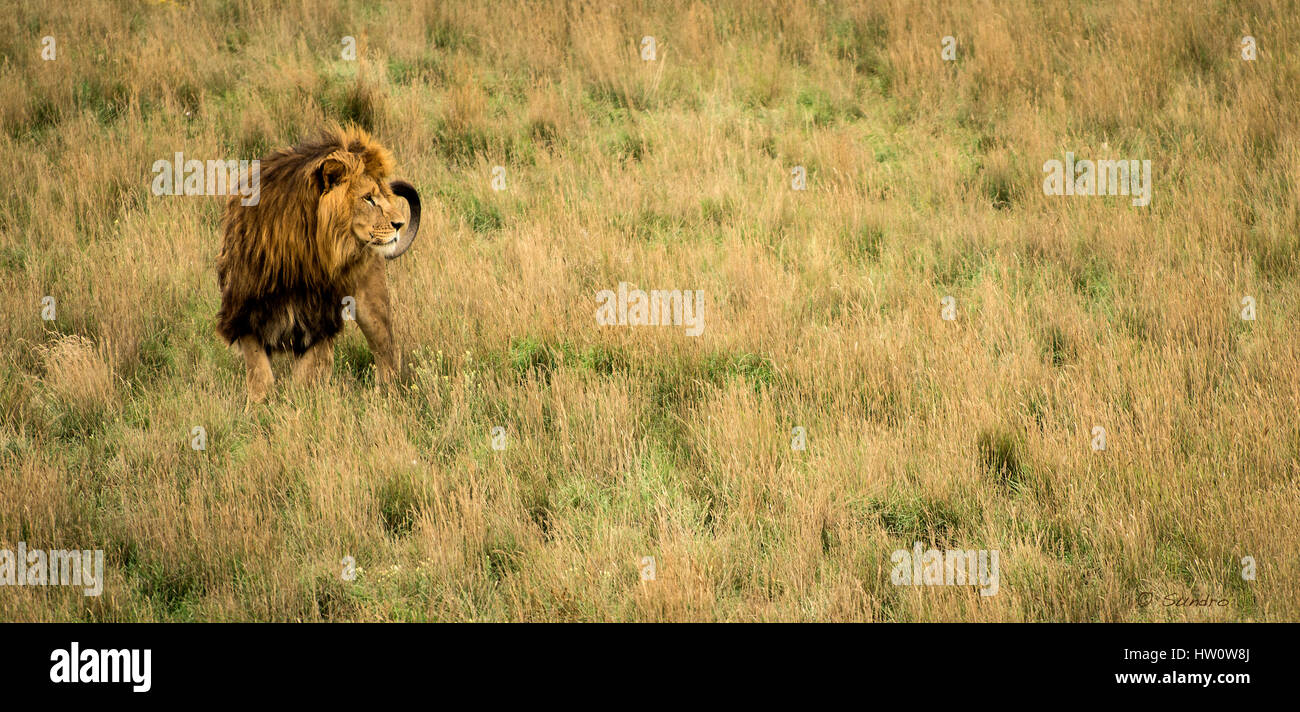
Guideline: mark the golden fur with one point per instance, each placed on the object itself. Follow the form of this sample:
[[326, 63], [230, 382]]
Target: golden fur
[[326, 218]]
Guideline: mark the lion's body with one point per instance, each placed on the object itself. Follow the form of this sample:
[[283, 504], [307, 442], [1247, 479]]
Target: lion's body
[[288, 263], [287, 320]]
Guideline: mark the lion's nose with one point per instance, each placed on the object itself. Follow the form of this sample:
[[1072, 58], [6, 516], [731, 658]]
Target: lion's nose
[[398, 225]]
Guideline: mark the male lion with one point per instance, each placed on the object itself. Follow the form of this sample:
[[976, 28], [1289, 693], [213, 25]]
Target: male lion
[[327, 217]]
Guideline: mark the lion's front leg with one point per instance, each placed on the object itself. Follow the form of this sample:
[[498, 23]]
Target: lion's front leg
[[316, 363], [258, 364], [375, 320]]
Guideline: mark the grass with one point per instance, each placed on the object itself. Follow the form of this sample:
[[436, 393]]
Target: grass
[[822, 311]]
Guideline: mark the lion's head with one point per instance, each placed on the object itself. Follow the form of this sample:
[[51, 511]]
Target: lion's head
[[358, 199], [324, 205]]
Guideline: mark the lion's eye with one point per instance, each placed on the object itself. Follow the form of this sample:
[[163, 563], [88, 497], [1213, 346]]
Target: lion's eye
[[370, 199]]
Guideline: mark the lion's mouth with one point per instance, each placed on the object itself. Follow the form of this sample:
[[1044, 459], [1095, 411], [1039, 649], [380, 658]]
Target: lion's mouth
[[384, 240]]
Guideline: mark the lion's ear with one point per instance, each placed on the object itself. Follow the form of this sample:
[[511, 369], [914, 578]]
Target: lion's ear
[[334, 169]]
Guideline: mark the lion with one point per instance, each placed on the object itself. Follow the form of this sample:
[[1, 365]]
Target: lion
[[328, 218]]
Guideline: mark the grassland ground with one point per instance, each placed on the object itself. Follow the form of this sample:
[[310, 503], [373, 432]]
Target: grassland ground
[[823, 310]]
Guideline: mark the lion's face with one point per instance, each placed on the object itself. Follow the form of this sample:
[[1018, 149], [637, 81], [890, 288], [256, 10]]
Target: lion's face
[[359, 209], [378, 215]]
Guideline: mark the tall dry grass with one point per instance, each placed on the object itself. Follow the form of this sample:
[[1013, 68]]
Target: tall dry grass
[[822, 311]]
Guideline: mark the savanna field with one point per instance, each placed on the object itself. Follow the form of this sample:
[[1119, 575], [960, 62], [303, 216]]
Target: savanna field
[[823, 309]]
